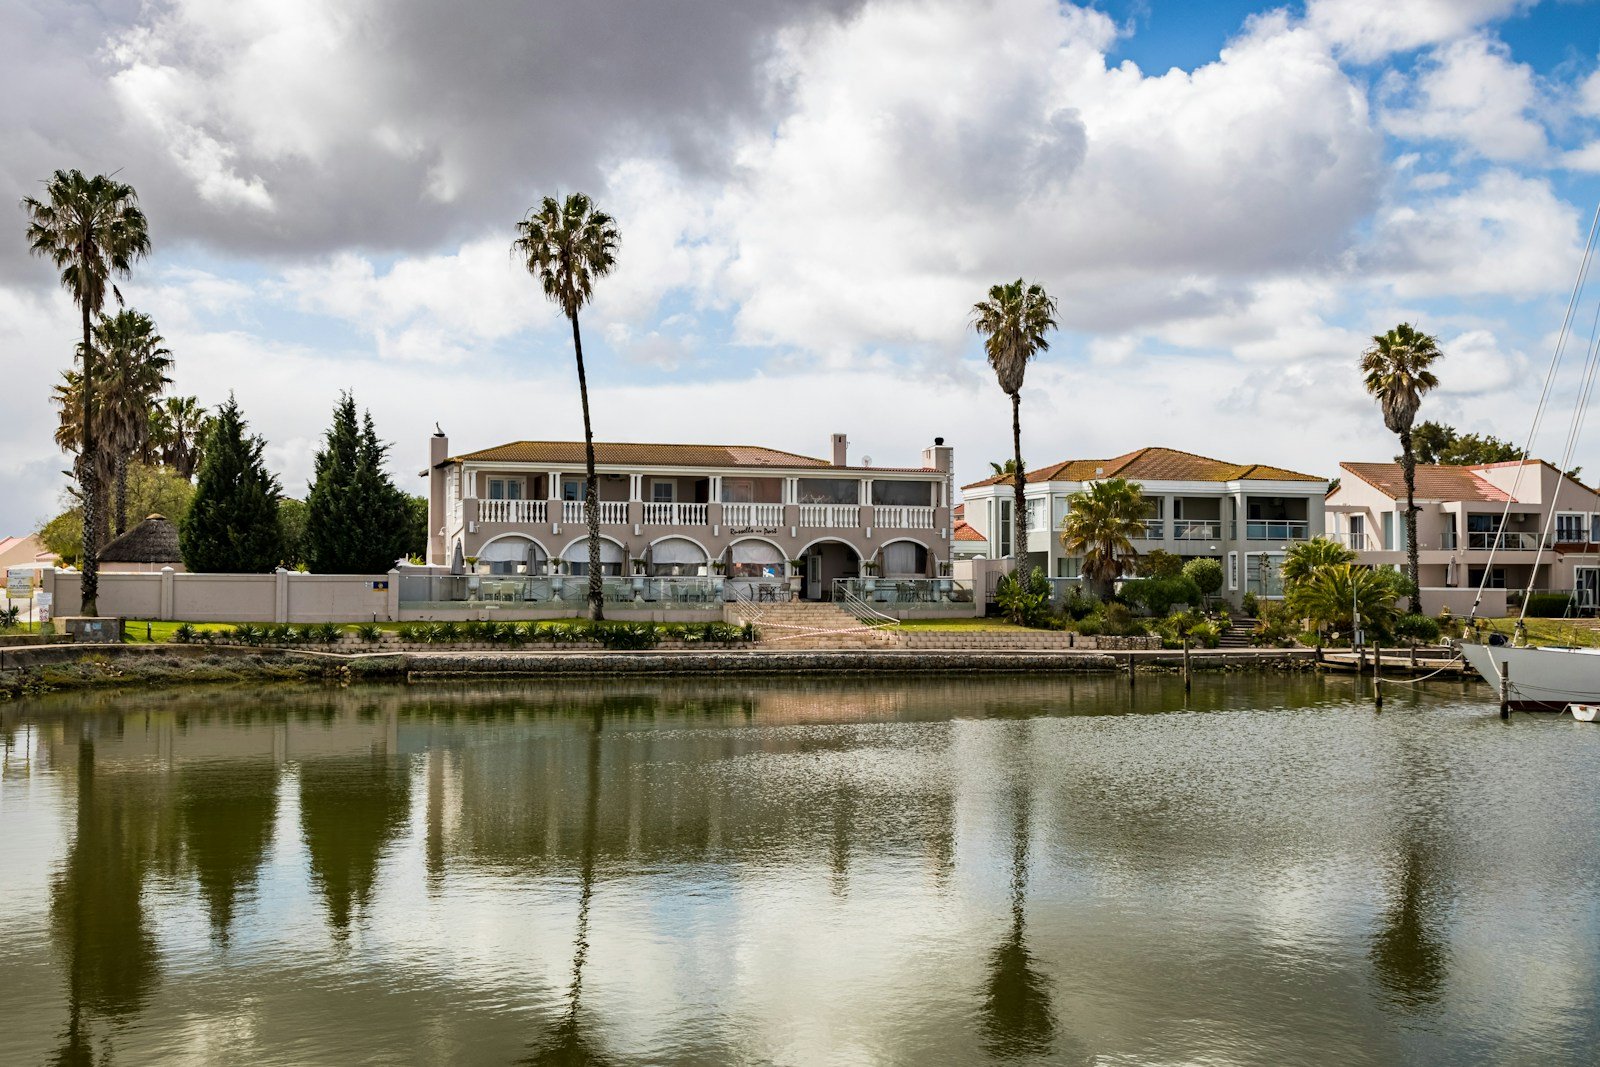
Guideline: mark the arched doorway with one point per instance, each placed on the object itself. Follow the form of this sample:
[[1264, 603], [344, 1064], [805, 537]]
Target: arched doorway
[[514, 554], [576, 556], [825, 561], [675, 557], [904, 559], [754, 562]]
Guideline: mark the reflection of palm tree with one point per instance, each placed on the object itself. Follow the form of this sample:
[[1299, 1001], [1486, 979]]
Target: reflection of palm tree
[[1409, 954], [1017, 1020], [95, 907], [566, 1046]]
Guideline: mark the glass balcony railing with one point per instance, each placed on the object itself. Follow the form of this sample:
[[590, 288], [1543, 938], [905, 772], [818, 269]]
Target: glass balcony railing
[[1196, 529], [1507, 541], [420, 592], [1276, 530], [1154, 529], [911, 594]]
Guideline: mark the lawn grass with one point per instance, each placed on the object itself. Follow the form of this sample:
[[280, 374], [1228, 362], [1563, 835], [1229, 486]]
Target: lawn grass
[[1584, 633]]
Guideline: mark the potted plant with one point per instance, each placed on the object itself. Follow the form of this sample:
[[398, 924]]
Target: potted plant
[[472, 577], [558, 568], [797, 575]]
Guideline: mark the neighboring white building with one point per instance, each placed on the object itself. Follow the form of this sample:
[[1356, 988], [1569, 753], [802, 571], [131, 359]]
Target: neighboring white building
[[1244, 515]]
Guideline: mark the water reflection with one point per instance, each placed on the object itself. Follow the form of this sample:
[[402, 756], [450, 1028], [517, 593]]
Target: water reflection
[[1017, 1017], [781, 872]]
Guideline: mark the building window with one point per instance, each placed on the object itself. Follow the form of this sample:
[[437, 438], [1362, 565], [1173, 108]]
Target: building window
[[1594, 527], [1497, 578], [1233, 571], [572, 489], [1037, 511], [1069, 567], [1570, 528], [662, 492], [1263, 573], [505, 488], [1358, 532]]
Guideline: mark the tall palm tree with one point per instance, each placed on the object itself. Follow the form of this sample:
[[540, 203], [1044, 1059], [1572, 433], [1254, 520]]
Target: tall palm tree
[[177, 429], [567, 245], [135, 374], [1396, 372], [1101, 525], [91, 230], [1013, 322], [1001, 470]]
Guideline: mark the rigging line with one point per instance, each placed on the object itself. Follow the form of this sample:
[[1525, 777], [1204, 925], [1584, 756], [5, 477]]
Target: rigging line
[[1415, 681], [1538, 411], [1574, 431]]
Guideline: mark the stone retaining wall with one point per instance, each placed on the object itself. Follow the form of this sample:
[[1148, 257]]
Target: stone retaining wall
[[1001, 640]]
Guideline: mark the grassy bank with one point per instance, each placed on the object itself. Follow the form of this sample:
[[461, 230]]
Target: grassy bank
[[1583, 633], [113, 672]]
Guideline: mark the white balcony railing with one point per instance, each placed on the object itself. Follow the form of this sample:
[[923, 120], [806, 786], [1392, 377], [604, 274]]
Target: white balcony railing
[[830, 515], [903, 517], [752, 514], [524, 511], [614, 512], [1196, 529], [674, 514]]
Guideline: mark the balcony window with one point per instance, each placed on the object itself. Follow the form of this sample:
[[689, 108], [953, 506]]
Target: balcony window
[[505, 488], [1571, 527], [572, 488], [662, 492], [902, 494], [829, 491]]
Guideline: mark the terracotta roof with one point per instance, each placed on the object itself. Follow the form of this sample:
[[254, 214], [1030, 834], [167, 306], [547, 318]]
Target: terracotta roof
[[1435, 481], [632, 454], [1155, 465], [155, 540], [963, 531]]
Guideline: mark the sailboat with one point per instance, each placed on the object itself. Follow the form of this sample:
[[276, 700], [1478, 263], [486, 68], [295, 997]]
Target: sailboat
[[1548, 678]]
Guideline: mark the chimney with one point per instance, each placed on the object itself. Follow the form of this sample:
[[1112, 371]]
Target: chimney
[[438, 506], [939, 456], [841, 448]]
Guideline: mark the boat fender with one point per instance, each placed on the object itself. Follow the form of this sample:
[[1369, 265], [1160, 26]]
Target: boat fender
[[1497, 639]]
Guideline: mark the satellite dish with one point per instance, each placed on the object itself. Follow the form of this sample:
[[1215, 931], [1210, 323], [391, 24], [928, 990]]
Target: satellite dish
[[866, 461]]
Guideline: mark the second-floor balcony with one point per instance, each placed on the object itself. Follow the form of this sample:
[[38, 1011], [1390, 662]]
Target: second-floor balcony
[[1505, 541], [523, 511], [736, 516], [1196, 529], [902, 517], [830, 515], [660, 514], [752, 514], [1276, 530], [611, 511], [1154, 530]]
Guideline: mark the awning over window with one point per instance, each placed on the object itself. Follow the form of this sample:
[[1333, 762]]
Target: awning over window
[[755, 552], [578, 552], [511, 550], [676, 550]]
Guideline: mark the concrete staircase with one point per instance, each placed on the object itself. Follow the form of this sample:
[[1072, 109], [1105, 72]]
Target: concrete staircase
[[805, 624], [1237, 635]]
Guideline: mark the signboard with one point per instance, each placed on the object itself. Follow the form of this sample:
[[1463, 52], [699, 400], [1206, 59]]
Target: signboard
[[19, 583], [44, 602]]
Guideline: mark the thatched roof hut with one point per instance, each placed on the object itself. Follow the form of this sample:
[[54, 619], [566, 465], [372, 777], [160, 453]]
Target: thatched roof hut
[[149, 546]]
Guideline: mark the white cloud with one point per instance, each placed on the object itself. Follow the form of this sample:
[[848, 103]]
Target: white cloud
[[1471, 92], [1476, 364], [1586, 158], [1367, 30]]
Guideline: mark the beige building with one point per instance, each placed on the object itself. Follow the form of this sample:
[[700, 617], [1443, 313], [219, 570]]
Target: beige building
[[671, 510], [1244, 515], [1476, 525]]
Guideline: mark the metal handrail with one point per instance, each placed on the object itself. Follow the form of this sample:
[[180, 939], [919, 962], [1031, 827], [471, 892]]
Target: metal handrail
[[859, 609]]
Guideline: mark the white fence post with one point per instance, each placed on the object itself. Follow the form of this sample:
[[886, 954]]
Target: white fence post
[[394, 595], [167, 595], [280, 601]]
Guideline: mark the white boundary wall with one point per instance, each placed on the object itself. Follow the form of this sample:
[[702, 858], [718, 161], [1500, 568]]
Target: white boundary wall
[[283, 596]]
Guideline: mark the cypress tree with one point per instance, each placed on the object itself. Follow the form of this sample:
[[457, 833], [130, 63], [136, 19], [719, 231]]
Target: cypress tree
[[232, 524], [356, 520]]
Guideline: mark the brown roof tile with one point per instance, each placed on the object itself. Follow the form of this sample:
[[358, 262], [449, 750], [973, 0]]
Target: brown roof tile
[[1439, 481], [964, 532], [634, 454], [1155, 465]]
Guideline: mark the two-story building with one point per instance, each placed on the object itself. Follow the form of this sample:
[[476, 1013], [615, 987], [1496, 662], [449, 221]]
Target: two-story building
[[1244, 515], [744, 511], [1499, 525]]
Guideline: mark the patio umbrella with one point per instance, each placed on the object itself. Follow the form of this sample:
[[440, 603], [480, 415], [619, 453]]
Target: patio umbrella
[[1450, 572], [458, 562], [533, 557]]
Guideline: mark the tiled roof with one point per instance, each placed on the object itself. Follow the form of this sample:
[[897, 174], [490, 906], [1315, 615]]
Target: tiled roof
[[964, 532], [1440, 481], [630, 454], [1155, 465]]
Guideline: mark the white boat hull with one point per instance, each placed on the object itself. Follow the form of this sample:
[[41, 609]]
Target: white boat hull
[[1584, 712], [1549, 678]]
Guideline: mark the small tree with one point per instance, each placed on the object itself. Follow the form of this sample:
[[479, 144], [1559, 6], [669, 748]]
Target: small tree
[[1159, 563], [1206, 574], [232, 523], [356, 520]]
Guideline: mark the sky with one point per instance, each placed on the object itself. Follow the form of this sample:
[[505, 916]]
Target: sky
[[1227, 199]]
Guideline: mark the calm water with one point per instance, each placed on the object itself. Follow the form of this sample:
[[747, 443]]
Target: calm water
[[1002, 871]]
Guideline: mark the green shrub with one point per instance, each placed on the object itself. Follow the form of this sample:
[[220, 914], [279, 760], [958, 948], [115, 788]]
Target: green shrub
[[1024, 597], [472, 630], [1158, 563], [1078, 604], [517, 634], [442, 633], [1118, 621], [1089, 625], [370, 632], [412, 635], [566, 633], [626, 635], [246, 634], [1250, 606], [1417, 629], [1205, 635], [1276, 625], [306, 633], [1159, 596], [9, 616], [1548, 605], [184, 634], [328, 632]]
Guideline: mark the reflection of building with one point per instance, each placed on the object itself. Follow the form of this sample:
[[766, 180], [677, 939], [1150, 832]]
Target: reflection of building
[[1244, 515], [673, 510], [1475, 525]]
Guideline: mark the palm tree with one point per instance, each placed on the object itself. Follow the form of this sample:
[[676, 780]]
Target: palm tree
[[1013, 322], [1327, 595], [1396, 372], [178, 428], [1002, 470], [135, 374], [1304, 557], [91, 230], [1101, 525], [567, 245]]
